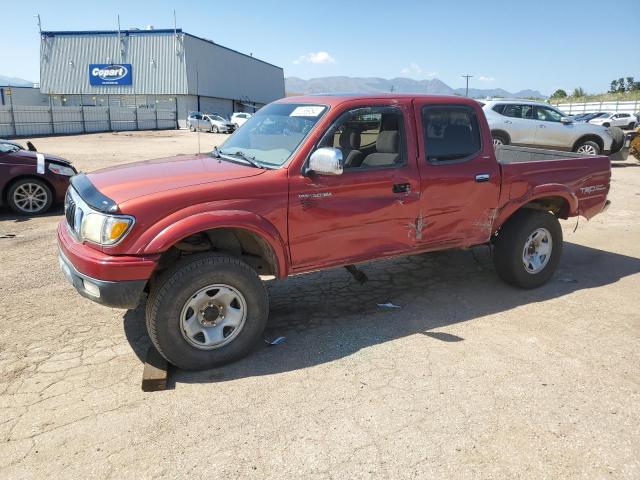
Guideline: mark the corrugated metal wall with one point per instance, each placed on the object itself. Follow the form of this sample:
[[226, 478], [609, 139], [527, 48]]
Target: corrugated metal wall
[[157, 69], [224, 73]]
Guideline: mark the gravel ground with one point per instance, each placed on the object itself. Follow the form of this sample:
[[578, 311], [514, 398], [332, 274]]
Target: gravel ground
[[468, 379]]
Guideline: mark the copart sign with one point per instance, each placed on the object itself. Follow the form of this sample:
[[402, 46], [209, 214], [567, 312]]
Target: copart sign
[[110, 74]]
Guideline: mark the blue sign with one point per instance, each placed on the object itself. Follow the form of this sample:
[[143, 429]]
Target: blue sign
[[110, 74]]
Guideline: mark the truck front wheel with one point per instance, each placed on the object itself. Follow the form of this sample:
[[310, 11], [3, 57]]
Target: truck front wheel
[[206, 311], [528, 248]]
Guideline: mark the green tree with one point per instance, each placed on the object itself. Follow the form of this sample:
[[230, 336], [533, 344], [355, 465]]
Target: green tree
[[614, 86], [621, 85], [559, 93], [578, 92], [630, 84]]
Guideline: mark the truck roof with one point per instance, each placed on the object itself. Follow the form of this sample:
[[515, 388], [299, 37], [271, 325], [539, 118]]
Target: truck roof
[[338, 98]]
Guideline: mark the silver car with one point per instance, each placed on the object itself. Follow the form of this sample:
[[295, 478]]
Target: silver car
[[539, 125], [209, 123]]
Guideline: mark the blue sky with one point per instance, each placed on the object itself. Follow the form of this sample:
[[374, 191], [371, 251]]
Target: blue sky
[[513, 44]]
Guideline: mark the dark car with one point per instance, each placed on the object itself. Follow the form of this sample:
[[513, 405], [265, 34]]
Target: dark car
[[30, 182]]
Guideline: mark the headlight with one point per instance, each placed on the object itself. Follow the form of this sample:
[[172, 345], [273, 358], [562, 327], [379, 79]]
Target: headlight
[[61, 169], [105, 229]]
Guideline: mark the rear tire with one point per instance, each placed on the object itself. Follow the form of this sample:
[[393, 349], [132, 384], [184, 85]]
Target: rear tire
[[30, 196], [196, 344], [499, 139], [524, 237], [192, 128], [618, 139]]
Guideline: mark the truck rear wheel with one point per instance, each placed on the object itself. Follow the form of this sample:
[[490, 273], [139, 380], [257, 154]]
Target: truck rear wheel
[[528, 248], [207, 311]]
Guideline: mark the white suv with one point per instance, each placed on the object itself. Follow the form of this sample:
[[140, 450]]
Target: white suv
[[539, 125], [239, 118], [622, 120]]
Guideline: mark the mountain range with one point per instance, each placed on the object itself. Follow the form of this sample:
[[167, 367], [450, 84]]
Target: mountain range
[[295, 85], [14, 82]]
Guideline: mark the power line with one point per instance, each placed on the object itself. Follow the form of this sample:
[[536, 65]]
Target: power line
[[467, 76]]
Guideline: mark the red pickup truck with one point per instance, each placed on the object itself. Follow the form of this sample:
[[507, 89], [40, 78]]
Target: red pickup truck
[[310, 183]]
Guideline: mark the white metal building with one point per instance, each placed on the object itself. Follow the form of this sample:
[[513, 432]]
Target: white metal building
[[156, 69]]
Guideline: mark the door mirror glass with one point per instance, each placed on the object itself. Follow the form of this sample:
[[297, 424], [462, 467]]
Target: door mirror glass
[[566, 120], [326, 161]]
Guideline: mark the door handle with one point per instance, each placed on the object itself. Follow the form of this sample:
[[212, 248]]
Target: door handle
[[542, 126], [508, 121], [482, 177], [401, 188]]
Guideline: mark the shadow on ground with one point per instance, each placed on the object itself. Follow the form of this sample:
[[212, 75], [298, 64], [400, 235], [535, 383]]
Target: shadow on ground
[[328, 315]]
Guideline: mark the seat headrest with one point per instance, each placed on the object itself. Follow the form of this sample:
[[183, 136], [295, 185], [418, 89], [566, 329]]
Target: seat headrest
[[387, 142], [350, 139]]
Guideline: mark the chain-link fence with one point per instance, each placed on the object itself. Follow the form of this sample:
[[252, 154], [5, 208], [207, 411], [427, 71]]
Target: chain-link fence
[[20, 121]]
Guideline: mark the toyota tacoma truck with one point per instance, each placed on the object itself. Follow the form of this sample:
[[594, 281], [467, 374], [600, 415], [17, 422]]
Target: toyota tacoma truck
[[311, 183]]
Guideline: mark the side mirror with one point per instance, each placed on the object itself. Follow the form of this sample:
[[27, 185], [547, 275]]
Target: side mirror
[[566, 120], [326, 161]]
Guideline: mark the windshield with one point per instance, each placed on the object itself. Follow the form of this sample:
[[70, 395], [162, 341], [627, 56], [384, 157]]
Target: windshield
[[274, 132], [217, 117], [8, 148]]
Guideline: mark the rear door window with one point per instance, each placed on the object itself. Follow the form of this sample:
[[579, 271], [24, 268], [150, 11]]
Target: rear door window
[[517, 110], [451, 133]]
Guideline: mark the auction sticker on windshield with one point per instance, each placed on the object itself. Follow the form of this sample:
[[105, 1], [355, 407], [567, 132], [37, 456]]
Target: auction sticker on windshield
[[307, 111]]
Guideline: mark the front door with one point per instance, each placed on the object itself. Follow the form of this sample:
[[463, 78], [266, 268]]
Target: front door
[[460, 176], [550, 131], [369, 210]]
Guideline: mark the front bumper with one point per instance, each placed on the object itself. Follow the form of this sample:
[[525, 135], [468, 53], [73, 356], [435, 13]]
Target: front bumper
[[120, 294], [113, 280]]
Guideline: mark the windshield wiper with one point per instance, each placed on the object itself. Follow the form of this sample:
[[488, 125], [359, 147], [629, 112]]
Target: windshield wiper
[[240, 154]]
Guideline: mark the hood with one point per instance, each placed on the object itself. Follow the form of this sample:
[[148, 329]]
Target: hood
[[126, 182], [30, 157]]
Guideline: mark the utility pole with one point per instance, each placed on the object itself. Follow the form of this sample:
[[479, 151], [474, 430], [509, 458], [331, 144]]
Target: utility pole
[[467, 76]]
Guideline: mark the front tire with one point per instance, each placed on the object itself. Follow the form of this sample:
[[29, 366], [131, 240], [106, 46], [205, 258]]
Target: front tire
[[528, 248], [588, 147], [206, 311], [30, 196], [214, 129]]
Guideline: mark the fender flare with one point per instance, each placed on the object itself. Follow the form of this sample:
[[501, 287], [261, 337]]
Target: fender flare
[[538, 192], [199, 222]]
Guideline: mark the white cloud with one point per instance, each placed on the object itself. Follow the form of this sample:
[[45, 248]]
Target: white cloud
[[414, 70], [315, 57], [485, 78]]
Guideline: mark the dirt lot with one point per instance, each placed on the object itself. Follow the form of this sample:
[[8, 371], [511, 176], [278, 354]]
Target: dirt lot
[[469, 379]]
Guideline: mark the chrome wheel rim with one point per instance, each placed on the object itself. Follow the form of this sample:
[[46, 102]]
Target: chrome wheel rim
[[30, 197], [587, 150], [213, 317], [537, 251], [497, 141]]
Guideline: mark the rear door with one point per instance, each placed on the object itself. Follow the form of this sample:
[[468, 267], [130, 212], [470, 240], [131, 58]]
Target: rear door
[[519, 123], [460, 178]]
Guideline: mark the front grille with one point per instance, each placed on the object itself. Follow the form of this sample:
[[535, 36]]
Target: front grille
[[70, 212]]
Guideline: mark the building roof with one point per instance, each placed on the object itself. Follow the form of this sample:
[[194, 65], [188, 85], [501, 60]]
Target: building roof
[[161, 31]]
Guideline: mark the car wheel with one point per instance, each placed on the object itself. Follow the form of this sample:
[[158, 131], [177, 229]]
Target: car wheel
[[30, 197], [499, 139], [214, 129], [192, 128], [207, 311], [631, 126], [588, 147], [528, 248]]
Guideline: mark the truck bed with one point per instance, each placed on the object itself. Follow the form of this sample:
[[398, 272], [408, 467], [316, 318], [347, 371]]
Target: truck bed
[[512, 154]]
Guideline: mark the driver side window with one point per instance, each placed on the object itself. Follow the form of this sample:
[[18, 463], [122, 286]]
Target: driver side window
[[368, 137], [547, 114]]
